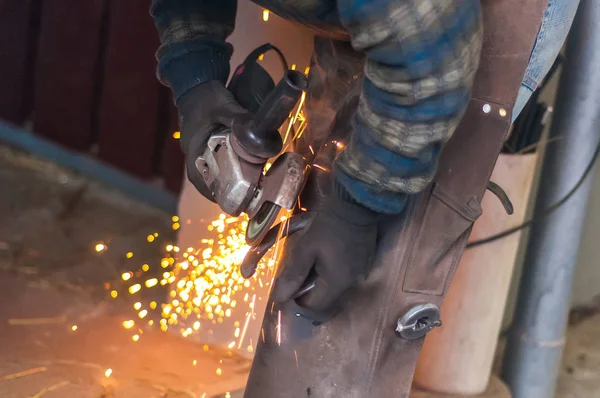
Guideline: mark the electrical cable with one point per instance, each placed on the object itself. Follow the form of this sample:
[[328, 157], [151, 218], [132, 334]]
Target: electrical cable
[[546, 212]]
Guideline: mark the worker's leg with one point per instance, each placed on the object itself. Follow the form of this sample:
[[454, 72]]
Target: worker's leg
[[552, 34]]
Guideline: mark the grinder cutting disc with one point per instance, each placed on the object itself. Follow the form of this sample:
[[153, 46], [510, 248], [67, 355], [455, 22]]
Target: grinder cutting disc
[[261, 223]]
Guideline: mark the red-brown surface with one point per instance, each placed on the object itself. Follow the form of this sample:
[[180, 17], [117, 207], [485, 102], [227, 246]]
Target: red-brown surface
[[67, 58], [15, 35], [128, 123]]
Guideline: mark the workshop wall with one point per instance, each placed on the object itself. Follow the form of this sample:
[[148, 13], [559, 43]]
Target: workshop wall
[[82, 74]]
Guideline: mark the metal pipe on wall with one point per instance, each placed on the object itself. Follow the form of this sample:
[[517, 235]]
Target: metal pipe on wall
[[537, 337]]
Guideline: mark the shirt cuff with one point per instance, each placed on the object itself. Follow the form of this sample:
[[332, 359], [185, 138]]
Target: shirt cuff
[[186, 65], [378, 201]]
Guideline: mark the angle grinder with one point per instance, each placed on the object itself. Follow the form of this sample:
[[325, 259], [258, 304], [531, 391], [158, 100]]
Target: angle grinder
[[233, 164]]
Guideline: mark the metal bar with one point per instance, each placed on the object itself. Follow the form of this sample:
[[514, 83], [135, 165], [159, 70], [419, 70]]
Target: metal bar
[[537, 337]]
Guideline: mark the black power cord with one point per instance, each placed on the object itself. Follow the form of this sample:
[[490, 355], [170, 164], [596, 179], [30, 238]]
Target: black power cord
[[547, 212]]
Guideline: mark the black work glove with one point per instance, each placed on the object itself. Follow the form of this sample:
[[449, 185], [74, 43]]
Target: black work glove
[[336, 251], [204, 110]]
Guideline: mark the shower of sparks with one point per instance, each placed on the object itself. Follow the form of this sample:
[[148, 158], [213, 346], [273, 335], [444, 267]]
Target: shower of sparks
[[204, 284]]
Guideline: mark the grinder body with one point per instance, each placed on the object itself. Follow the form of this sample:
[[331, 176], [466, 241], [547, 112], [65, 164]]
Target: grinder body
[[233, 164]]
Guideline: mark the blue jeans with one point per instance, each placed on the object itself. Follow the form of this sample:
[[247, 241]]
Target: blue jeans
[[550, 39]]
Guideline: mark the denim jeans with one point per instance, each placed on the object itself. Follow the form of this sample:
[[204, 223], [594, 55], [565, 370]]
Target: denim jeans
[[550, 39]]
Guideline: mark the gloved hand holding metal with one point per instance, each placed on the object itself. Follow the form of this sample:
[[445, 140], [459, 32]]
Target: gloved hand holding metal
[[335, 252], [204, 110]]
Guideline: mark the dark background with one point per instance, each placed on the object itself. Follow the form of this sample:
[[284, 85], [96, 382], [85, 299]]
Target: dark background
[[83, 74]]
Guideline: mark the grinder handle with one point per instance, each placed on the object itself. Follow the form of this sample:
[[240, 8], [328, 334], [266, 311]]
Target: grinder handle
[[260, 138], [279, 103]]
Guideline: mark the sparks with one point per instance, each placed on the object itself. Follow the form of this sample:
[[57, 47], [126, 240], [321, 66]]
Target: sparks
[[74, 327], [265, 15], [128, 324], [279, 327], [100, 247], [204, 286], [135, 288], [177, 135], [108, 372], [151, 282]]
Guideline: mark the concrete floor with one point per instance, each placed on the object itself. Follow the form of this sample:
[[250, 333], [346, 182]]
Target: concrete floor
[[51, 279]]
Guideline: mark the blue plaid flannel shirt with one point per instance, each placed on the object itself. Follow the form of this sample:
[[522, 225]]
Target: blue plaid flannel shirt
[[421, 59]]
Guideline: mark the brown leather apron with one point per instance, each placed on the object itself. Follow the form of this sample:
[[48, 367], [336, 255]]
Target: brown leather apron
[[359, 353]]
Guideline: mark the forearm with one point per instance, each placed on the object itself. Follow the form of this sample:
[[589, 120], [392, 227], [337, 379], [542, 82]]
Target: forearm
[[193, 48], [422, 56]]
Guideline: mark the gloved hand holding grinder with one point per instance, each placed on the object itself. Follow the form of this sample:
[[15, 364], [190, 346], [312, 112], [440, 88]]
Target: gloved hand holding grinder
[[337, 248]]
